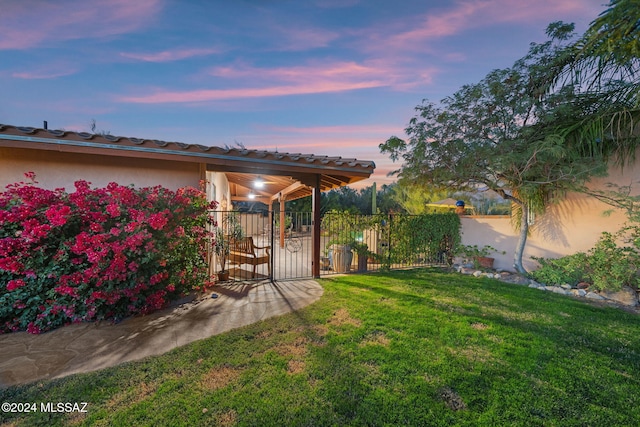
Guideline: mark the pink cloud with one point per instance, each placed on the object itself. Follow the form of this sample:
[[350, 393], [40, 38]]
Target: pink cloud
[[391, 73], [313, 78], [313, 71], [43, 74], [474, 14], [203, 95], [169, 55], [31, 23]]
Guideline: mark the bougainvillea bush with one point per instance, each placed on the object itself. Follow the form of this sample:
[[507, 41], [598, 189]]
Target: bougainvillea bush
[[96, 254]]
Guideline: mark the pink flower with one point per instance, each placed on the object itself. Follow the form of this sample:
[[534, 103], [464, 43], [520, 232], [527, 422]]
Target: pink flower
[[33, 329], [158, 277], [58, 216], [158, 221], [10, 264], [15, 284], [113, 210], [66, 290]]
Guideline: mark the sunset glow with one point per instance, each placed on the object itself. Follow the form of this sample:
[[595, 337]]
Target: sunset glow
[[324, 77]]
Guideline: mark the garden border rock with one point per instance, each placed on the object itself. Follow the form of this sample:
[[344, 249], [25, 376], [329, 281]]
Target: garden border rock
[[621, 299]]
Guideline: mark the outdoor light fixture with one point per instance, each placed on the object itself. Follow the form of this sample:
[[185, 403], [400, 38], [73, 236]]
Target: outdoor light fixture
[[258, 183]]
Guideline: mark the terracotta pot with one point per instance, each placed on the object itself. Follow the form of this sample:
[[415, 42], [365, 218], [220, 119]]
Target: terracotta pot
[[485, 262], [223, 276]]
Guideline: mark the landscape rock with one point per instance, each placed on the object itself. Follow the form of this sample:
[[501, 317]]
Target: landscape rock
[[593, 295], [579, 292], [626, 296]]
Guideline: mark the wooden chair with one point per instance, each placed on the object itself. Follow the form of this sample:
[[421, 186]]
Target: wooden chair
[[244, 251]]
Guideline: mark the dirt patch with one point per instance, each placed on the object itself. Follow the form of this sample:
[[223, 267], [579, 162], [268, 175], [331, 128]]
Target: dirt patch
[[376, 338], [320, 330], [473, 354], [227, 419], [219, 377], [264, 334], [342, 317], [76, 418], [295, 367], [451, 399], [479, 326], [297, 349]]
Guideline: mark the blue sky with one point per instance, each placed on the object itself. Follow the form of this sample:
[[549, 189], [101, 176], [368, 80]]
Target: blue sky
[[327, 77]]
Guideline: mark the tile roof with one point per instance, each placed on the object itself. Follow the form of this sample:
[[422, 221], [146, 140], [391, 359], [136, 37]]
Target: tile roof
[[238, 163], [99, 141]]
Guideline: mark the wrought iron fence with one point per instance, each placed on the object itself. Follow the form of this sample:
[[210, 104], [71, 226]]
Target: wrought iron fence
[[255, 246], [359, 243]]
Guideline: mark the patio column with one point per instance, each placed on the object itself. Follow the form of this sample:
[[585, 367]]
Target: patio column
[[282, 218], [315, 252]]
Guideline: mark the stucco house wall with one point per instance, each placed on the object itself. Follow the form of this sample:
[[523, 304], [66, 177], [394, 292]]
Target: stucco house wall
[[60, 170], [573, 225]]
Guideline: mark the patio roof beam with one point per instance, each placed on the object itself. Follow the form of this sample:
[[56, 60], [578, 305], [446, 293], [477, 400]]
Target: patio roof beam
[[288, 190]]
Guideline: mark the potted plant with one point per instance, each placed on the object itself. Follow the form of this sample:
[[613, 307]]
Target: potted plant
[[479, 256], [339, 225], [340, 255], [346, 231], [362, 250], [228, 231]]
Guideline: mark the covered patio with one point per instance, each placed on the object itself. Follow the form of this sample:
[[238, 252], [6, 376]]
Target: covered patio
[[60, 157]]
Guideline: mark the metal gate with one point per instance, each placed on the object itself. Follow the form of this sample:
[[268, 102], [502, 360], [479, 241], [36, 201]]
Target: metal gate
[[292, 245], [251, 246]]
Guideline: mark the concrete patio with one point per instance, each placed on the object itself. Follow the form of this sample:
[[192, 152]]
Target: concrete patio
[[88, 347]]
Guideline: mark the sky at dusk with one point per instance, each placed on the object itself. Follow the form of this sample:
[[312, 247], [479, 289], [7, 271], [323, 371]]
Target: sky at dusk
[[324, 77]]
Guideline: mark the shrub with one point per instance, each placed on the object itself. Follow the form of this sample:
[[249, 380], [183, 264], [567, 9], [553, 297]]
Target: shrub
[[569, 269], [96, 254], [607, 265], [612, 266]]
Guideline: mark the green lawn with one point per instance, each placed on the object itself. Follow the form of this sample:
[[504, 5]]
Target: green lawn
[[418, 348]]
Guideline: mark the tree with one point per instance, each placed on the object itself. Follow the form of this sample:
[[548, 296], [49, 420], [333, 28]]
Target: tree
[[510, 133], [386, 200], [414, 197]]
